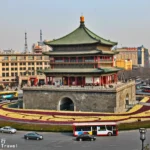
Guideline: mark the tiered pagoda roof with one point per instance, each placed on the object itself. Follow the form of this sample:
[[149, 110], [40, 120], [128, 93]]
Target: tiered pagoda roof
[[82, 35], [96, 51], [81, 70]]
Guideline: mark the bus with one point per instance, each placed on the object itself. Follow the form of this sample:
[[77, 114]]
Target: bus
[[96, 128], [9, 95]]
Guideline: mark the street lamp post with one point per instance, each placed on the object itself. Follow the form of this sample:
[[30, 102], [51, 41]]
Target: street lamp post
[[142, 136]]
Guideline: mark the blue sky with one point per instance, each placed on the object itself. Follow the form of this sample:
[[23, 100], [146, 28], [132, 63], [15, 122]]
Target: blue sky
[[124, 21]]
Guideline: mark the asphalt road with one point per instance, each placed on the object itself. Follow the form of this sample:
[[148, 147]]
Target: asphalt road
[[128, 140]]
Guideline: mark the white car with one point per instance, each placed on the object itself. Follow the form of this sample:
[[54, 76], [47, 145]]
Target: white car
[[8, 129]]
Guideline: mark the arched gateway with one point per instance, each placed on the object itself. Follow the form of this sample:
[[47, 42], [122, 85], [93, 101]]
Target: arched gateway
[[66, 104]]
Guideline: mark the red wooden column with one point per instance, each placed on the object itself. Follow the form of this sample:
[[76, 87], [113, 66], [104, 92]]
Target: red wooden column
[[99, 81], [116, 78], [52, 80], [46, 80], [82, 82], [105, 80], [94, 61], [93, 80], [98, 61], [113, 78], [102, 80], [110, 79], [112, 61], [68, 81], [75, 81], [83, 59]]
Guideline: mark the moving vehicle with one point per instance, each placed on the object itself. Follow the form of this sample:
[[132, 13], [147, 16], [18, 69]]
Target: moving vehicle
[[96, 128], [146, 89], [138, 80], [8, 129], [9, 95], [85, 137], [33, 136]]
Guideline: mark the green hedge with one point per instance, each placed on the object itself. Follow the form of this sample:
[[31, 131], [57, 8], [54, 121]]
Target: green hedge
[[134, 125], [67, 128], [37, 127]]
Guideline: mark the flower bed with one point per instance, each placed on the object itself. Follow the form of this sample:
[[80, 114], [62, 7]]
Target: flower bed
[[45, 116]]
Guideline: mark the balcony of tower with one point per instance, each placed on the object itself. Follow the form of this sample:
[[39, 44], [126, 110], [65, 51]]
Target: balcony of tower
[[52, 62], [115, 87]]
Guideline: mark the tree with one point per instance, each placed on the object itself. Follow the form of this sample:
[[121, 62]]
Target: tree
[[2, 87], [147, 147]]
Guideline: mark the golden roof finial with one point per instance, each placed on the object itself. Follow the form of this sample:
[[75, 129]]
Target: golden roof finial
[[82, 18]]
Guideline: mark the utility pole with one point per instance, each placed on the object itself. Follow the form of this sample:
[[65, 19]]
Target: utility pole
[[41, 42], [26, 45]]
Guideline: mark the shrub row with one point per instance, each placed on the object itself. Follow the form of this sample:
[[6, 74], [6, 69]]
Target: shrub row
[[134, 125], [67, 128], [37, 127]]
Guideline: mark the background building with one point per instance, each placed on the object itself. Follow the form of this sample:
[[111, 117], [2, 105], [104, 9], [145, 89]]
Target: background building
[[40, 47], [127, 53], [139, 55], [21, 68], [143, 57], [37, 48], [125, 64]]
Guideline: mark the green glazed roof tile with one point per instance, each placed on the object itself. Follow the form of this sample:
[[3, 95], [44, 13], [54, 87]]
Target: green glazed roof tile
[[100, 70], [71, 71], [81, 35], [53, 53], [110, 69]]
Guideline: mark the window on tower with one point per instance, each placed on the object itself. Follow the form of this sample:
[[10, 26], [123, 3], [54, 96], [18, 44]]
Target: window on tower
[[80, 59], [59, 59], [89, 59], [73, 59], [66, 59]]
